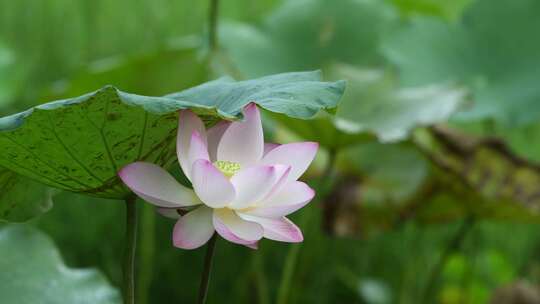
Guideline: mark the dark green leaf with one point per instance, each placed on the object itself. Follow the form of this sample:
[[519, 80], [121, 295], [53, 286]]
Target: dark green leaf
[[79, 144]]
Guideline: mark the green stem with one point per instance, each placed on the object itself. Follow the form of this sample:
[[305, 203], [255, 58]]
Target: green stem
[[330, 165], [294, 251], [453, 245], [261, 283], [288, 273], [213, 24], [146, 253], [208, 259], [129, 252], [205, 279]]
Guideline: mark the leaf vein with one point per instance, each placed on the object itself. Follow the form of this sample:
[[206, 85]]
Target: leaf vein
[[100, 131], [47, 164], [104, 138], [71, 153], [143, 135], [53, 181]]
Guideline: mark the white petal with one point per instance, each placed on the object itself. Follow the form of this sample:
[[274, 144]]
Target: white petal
[[282, 173], [269, 147], [231, 237], [297, 155], [193, 229], [278, 229], [155, 185], [291, 197], [211, 186], [233, 228], [197, 149], [243, 141], [188, 122], [214, 135], [252, 184]]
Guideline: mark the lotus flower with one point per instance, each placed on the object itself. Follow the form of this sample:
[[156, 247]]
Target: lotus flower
[[242, 187]]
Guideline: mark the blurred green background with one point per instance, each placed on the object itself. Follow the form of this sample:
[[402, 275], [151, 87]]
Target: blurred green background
[[428, 176]]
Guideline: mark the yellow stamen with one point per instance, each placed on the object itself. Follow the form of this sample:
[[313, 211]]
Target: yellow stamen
[[228, 168]]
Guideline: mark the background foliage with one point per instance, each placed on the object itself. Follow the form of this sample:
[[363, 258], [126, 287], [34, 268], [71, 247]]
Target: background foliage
[[433, 196]]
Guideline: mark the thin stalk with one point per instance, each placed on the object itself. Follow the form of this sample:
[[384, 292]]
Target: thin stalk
[[209, 257], [261, 283], [288, 273], [205, 278], [129, 251], [213, 25], [146, 253], [294, 251], [453, 245], [330, 165]]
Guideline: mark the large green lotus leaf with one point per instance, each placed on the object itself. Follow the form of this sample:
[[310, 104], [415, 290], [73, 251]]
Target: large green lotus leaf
[[310, 34], [33, 272], [80, 144], [17, 205], [21, 198], [493, 49]]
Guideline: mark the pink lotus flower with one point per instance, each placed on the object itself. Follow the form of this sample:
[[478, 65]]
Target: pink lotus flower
[[243, 188]]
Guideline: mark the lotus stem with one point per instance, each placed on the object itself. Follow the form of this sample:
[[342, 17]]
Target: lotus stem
[[205, 279], [129, 251], [213, 25]]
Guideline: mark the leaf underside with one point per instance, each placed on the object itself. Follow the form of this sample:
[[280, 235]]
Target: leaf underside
[[80, 144]]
